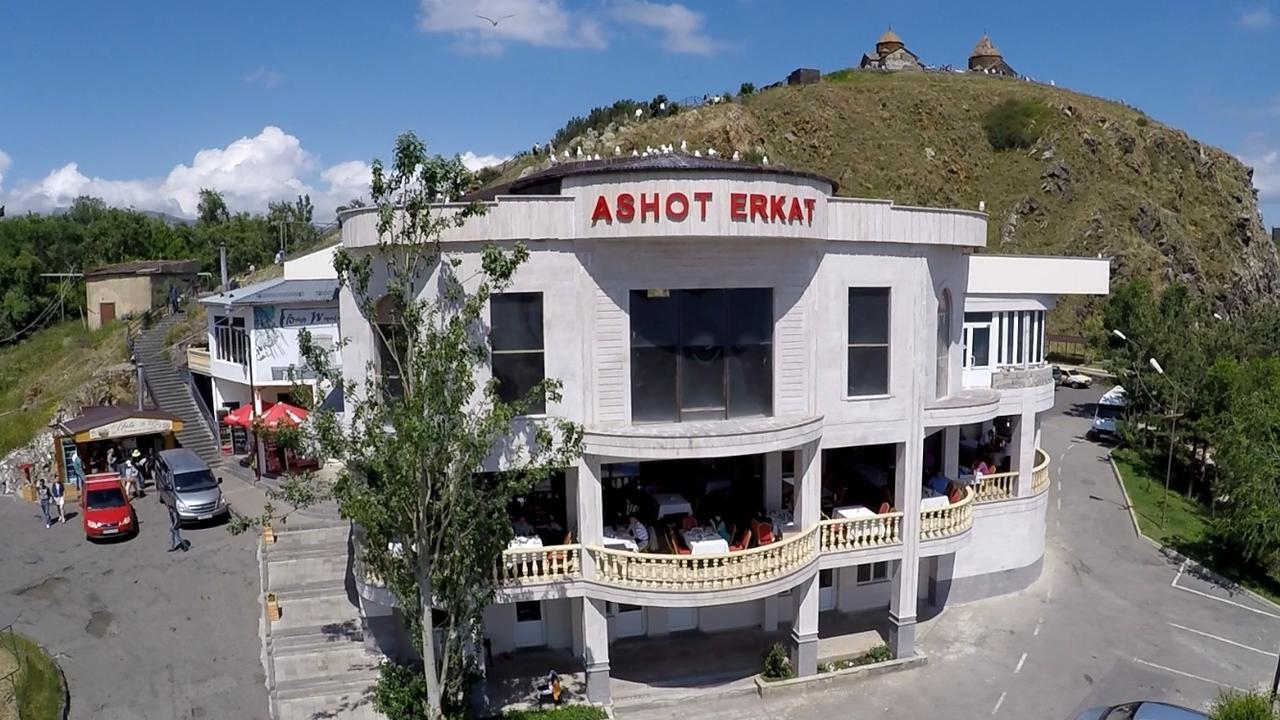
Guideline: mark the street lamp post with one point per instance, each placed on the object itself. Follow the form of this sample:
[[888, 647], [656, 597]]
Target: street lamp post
[[1173, 434]]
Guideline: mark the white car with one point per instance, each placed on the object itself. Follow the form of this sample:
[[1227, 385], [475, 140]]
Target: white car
[[1074, 379]]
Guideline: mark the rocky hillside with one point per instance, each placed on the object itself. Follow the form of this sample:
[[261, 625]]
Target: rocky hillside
[[1102, 179]]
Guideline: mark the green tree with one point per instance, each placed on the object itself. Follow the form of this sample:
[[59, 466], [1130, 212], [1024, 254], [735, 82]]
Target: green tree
[[746, 88], [212, 208], [435, 524]]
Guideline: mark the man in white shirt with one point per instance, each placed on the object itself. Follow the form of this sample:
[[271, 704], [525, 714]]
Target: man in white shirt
[[639, 532]]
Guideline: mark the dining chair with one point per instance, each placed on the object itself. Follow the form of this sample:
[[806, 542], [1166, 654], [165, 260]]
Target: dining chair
[[764, 533], [743, 542], [690, 522]]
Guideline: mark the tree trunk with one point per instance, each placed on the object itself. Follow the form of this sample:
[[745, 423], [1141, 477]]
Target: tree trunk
[[429, 665]]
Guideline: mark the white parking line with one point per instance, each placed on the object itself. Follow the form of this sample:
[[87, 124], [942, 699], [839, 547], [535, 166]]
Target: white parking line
[[1181, 568], [1201, 678], [1021, 660], [1224, 640], [1232, 603], [999, 702]]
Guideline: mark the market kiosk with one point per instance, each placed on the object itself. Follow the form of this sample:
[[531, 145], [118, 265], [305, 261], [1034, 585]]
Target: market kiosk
[[100, 428]]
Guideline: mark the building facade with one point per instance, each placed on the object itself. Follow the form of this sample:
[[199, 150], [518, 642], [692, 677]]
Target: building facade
[[742, 345], [890, 54], [986, 58], [125, 289]]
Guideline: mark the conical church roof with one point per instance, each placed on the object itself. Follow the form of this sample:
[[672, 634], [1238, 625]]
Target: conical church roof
[[985, 48]]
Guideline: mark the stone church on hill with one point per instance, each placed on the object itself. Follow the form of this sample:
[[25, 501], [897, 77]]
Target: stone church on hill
[[985, 58], [891, 54]]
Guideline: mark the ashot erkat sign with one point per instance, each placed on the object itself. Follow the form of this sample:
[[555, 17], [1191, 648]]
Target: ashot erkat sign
[[678, 206]]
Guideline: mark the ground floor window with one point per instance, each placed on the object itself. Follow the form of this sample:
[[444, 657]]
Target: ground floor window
[[873, 573], [826, 578], [530, 611]]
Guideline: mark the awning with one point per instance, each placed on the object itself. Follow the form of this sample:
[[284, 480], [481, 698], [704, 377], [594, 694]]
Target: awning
[[240, 417], [283, 413], [109, 422]]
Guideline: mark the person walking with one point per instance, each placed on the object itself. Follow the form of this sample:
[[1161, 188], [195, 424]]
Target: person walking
[[130, 479], [57, 491], [173, 299], [139, 466], [42, 497], [176, 541]]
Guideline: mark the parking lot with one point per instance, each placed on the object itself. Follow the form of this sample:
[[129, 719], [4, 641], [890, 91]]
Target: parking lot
[[1111, 619], [139, 631]]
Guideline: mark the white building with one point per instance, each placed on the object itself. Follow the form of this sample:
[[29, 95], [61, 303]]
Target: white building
[[736, 338]]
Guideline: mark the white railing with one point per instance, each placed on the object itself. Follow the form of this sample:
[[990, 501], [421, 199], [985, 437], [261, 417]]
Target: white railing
[[860, 533], [553, 563], [995, 487], [705, 572], [1040, 473], [950, 520], [198, 360]]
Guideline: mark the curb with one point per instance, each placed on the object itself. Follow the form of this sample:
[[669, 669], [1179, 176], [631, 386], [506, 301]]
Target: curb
[[1176, 555], [820, 680]]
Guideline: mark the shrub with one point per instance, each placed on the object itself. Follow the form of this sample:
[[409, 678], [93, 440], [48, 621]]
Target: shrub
[[844, 75], [401, 692], [879, 653], [1143, 121], [777, 666], [1237, 705], [746, 88], [1015, 124], [566, 712]]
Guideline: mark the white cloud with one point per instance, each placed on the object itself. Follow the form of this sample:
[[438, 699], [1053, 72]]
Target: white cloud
[[1262, 154], [542, 23], [5, 162], [266, 77], [348, 180], [476, 162], [1259, 18], [682, 28]]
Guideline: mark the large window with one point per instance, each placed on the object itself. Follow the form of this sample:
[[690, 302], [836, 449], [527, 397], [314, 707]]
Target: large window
[[942, 373], [868, 341], [515, 332], [230, 339], [701, 354], [977, 340], [389, 337], [1021, 334]]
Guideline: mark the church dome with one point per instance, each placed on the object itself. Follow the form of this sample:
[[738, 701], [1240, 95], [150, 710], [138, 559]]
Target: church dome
[[985, 48], [889, 36]]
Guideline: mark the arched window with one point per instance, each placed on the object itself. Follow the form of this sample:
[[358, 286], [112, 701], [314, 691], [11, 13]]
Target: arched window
[[944, 344], [389, 336]]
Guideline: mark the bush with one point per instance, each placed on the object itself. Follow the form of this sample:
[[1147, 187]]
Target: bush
[[1015, 124], [1143, 121], [566, 712], [746, 89], [401, 692], [879, 653], [1237, 705], [844, 75], [777, 666]]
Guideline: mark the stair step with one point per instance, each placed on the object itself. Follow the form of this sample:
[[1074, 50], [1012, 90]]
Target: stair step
[[319, 551], [292, 589], [353, 683], [345, 659], [335, 636], [298, 612]]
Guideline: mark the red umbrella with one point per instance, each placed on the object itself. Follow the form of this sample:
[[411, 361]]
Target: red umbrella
[[284, 413], [240, 417]]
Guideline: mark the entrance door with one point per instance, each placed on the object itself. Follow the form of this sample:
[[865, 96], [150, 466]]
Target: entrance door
[[680, 619], [106, 313], [530, 631], [977, 349], [628, 620], [826, 590]]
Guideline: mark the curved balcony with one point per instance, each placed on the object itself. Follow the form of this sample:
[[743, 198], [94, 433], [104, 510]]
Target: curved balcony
[[533, 566], [703, 439], [1040, 473], [843, 535], [947, 521], [997, 487]]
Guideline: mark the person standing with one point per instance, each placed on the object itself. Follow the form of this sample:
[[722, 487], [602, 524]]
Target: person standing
[[76, 470], [42, 497], [130, 474], [57, 492], [173, 299], [176, 541]]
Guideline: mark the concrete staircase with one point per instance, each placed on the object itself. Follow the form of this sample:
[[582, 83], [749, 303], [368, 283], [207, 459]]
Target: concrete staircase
[[317, 661], [171, 392]]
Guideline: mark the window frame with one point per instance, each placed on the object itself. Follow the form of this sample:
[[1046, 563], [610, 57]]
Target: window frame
[[887, 344], [537, 408], [877, 572]]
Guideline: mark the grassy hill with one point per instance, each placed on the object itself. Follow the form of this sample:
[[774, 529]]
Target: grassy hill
[[1103, 178]]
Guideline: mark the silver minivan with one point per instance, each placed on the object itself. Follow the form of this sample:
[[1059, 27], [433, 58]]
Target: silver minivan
[[186, 483]]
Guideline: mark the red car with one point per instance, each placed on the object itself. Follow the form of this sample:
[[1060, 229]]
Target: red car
[[105, 510]]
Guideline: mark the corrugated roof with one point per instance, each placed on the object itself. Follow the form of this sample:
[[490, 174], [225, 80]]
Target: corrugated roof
[[99, 415], [278, 291], [147, 267]]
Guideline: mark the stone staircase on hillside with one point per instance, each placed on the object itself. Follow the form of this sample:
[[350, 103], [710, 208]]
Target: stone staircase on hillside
[[171, 392], [318, 664]]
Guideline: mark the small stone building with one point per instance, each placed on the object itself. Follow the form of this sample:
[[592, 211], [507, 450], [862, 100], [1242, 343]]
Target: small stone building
[[804, 76], [891, 54], [986, 58], [124, 289]]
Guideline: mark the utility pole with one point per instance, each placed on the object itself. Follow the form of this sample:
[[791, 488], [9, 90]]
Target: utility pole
[[222, 256]]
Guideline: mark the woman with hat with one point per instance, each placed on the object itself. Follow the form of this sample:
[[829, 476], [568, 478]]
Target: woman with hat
[[143, 467]]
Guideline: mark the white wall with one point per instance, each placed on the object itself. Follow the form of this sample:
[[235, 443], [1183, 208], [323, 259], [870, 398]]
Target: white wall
[[312, 266], [277, 347], [1029, 274], [1006, 536]]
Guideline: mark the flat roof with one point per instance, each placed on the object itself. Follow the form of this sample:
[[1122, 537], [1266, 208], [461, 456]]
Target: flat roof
[[98, 415], [146, 267], [278, 291]]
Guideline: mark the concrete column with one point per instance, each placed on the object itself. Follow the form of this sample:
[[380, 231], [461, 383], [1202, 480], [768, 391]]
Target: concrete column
[[769, 621], [1022, 455], [577, 640], [906, 572], [804, 631], [582, 484], [595, 656], [951, 451], [808, 488], [773, 481]]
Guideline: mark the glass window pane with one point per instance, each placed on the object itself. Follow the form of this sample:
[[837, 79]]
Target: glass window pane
[[750, 380], [701, 377], [516, 321], [528, 611], [654, 320], [981, 350], [653, 384], [701, 317], [750, 316], [517, 373], [868, 371], [864, 573], [977, 317], [868, 315]]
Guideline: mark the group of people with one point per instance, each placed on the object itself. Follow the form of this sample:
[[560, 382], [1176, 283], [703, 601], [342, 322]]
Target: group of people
[[669, 531], [134, 469], [51, 497]]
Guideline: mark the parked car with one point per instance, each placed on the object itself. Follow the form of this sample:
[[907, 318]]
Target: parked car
[[105, 510], [1146, 710], [1110, 409], [1074, 379], [186, 483]]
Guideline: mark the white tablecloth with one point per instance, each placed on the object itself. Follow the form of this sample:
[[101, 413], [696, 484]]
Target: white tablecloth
[[619, 541], [524, 542], [853, 512], [704, 541], [935, 503], [671, 504]]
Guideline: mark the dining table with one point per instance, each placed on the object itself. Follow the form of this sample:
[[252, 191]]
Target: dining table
[[524, 542], [939, 502], [671, 504], [704, 541], [619, 540]]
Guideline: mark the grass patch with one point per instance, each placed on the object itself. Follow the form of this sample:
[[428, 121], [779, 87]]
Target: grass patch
[[1015, 124], [40, 372], [878, 654], [39, 686], [564, 712], [1187, 523]]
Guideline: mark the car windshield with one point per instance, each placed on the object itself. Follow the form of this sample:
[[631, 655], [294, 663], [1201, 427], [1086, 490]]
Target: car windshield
[[1110, 412], [194, 481], [104, 499]]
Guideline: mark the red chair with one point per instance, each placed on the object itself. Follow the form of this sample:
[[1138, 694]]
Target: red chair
[[885, 509], [676, 546], [690, 522], [764, 532], [743, 542]]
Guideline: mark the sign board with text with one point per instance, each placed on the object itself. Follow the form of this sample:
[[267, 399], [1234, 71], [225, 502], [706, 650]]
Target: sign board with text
[[303, 317]]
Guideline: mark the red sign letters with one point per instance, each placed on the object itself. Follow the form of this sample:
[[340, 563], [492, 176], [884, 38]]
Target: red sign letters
[[678, 206]]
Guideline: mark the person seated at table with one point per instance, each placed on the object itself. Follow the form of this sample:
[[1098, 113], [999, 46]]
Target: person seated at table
[[982, 466], [521, 527], [717, 524], [937, 482], [639, 532]]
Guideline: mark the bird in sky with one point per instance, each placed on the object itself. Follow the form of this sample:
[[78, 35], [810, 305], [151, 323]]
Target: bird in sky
[[493, 21]]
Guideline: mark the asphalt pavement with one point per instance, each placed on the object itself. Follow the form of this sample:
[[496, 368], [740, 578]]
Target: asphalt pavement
[[1112, 619], [141, 633]]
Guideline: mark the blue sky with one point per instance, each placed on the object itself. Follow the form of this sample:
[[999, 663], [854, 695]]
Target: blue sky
[[143, 103]]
